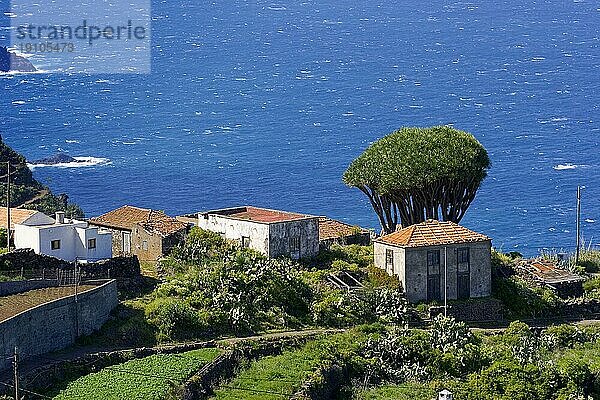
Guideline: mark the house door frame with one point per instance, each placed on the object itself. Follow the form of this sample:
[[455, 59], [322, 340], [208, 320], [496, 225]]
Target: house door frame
[[434, 292], [463, 273], [126, 236]]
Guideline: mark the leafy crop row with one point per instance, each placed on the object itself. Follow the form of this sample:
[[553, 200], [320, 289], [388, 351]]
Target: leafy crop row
[[148, 378]]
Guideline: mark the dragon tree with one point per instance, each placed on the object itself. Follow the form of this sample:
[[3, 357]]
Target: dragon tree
[[415, 174]]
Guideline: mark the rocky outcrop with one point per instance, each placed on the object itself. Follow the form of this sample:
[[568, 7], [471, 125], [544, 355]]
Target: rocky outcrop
[[60, 158], [12, 62]]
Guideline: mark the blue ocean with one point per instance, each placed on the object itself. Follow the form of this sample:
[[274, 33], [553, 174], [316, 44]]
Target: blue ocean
[[262, 103]]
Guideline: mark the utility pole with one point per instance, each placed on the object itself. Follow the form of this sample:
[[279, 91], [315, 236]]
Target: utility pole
[[76, 299], [8, 205], [446, 282], [16, 371], [578, 225]]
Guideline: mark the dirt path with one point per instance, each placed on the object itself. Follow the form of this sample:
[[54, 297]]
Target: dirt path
[[41, 194]]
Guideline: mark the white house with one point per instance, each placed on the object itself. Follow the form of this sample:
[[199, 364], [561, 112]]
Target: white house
[[271, 232], [65, 239]]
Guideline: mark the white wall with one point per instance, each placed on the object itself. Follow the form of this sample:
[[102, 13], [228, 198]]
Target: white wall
[[234, 229], [73, 240]]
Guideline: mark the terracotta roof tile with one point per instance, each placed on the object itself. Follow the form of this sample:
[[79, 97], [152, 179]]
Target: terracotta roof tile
[[432, 233], [258, 214], [332, 229], [122, 218], [17, 216], [160, 223]]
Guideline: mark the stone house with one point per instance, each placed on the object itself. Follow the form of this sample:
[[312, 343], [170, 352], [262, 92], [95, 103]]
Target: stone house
[[422, 255], [337, 232], [271, 232], [65, 239], [147, 234]]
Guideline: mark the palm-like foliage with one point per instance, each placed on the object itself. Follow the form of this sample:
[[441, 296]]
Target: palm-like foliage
[[414, 174]]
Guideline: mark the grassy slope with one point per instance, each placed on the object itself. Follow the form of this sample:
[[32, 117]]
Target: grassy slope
[[407, 391], [148, 378]]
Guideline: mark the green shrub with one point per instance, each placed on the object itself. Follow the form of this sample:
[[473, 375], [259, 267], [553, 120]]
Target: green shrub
[[504, 380], [522, 301], [378, 277], [362, 256], [405, 391], [590, 260], [591, 288], [175, 319]]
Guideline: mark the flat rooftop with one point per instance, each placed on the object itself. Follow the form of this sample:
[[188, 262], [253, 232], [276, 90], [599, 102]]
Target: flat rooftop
[[256, 214]]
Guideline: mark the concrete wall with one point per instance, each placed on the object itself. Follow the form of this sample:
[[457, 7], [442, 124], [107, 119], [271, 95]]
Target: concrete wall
[[410, 265], [281, 233], [234, 229], [55, 325]]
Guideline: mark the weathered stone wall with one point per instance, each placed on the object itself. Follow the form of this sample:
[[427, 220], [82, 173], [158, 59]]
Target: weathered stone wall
[[14, 287], [475, 310], [281, 233], [234, 229], [148, 246], [324, 383], [55, 325], [27, 259], [410, 265]]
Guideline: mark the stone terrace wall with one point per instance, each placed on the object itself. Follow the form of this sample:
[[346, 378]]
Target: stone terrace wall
[[27, 259], [55, 325]]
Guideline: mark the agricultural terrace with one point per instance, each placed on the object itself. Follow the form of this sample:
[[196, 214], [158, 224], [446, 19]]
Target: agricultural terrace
[[149, 378], [277, 377]]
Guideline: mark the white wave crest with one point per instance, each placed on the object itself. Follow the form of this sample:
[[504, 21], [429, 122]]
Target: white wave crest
[[80, 162], [562, 167]]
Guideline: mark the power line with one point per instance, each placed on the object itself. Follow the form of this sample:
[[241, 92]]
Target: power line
[[25, 390], [254, 390]]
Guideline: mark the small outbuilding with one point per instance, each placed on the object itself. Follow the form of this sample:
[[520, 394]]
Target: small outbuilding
[[147, 234], [422, 255], [271, 232]]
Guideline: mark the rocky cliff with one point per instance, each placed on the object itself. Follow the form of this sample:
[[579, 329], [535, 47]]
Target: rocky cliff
[[12, 62]]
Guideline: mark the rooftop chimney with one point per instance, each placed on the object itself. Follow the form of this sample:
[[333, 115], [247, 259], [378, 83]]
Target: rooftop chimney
[[60, 217]]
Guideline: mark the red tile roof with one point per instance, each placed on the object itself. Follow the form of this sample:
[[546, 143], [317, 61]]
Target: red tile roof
[[17, 216], [161, 224], [126, 217], [122, 218], [432, 233], [258, 214], [332, 229]]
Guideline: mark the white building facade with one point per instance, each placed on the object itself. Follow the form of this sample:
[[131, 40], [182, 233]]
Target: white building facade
[[271, 232], [67, 240]]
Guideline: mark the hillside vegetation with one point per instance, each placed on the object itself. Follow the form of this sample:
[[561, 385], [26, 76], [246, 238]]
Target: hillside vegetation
[[26, 191]]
